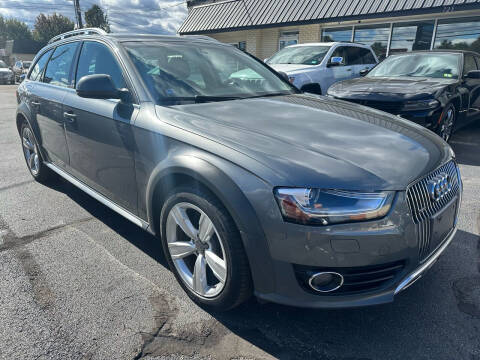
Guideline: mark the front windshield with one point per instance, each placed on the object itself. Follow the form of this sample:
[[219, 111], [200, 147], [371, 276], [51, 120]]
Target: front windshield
[[178, 73], [445, 66], [301, 55], [2, 64]]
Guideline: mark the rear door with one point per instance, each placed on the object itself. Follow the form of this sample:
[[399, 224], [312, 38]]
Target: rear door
[[99, 132], [361, 59], [337, 73], [50, 93]]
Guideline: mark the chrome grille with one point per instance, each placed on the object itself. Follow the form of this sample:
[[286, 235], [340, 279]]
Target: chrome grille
[[423, 207]]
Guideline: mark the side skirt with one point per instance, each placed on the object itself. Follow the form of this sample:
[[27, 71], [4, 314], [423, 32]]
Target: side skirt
[[97, 196]]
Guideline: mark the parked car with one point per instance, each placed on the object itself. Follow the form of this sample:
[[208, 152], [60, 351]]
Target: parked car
[[436, 89], [6, 75], [315, 67], [250, 186], [21, 67]]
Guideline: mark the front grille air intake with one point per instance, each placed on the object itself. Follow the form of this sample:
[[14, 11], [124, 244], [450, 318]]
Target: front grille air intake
[[423, 207]]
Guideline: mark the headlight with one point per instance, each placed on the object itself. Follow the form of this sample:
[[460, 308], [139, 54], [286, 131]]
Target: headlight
[[421, 105], [325, 207]]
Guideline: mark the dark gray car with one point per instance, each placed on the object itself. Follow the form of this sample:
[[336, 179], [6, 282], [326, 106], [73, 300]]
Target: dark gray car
[[251, 186]]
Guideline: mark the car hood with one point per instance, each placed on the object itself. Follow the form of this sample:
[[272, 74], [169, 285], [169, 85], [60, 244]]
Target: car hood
[[289, 68], [402, 86], [319, 142]]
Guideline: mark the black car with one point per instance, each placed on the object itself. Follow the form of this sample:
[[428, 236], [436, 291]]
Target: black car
[[437, 89]]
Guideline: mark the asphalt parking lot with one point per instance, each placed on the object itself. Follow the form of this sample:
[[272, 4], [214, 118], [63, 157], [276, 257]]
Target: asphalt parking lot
[[78, 281]]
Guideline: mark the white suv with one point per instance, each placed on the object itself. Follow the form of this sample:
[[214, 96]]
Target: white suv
[[315, 67]]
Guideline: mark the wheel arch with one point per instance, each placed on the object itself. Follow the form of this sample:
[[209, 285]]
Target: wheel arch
[[186, 169], [314, 88]]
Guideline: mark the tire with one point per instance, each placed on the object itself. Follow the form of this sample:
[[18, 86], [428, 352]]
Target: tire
[[446, 123], [199, 206], [32, 155]]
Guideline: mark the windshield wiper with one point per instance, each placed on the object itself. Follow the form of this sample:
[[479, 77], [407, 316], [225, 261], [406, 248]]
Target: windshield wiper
[[197, 98]]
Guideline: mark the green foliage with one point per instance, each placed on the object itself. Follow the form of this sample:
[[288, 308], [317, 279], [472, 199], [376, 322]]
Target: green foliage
[[95, 17], [13, 29], [48, 26]]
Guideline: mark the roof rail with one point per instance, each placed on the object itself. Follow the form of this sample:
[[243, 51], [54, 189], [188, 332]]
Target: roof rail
[[200, 37], [86, 31]]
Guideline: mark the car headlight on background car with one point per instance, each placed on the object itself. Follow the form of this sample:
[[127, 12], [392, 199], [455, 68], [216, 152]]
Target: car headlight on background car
[[421, 104], [325, 207]]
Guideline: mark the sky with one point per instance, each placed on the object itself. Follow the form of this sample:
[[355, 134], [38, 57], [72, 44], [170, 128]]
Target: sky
[[140, 16]]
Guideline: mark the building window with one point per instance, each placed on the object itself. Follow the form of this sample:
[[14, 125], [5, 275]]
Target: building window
[[462, 34], [374, 35], [337, 34], [287, 39], [412, 36]]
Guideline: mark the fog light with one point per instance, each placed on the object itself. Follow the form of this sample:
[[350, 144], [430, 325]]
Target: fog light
[[326, 281]]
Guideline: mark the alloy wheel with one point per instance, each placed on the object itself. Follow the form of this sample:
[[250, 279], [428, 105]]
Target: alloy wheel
[[196, 250], [30, 151], [446, 126]]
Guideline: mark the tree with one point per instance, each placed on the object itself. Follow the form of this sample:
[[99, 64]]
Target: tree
[[13, 29], [95, 17], [48, 26]]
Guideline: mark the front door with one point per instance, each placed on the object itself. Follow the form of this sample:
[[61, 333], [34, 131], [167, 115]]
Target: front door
[[339, 72], [47, 100], [99, 132]]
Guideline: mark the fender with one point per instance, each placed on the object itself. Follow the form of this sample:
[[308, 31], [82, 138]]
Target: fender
[[228, 192], [26, 113]]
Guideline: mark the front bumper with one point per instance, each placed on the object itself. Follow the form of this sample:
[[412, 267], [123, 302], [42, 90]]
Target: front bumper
[[348, 249]]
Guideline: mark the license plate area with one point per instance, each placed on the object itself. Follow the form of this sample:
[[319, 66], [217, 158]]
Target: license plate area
[[442, 224]]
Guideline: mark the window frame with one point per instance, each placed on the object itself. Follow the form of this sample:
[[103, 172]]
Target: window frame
[[129, 84], [465, 56], [75, 56], [40, 79]]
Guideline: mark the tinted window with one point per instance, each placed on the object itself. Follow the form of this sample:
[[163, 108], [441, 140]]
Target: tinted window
[[359, 56], [96, 58], [340, 52], [470, 64], [463, 34], [60, 64], [39, 66], [337, 34], [374, 35], [412, 36]]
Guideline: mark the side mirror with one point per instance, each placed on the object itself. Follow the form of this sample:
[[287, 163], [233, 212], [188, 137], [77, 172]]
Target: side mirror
[[335, 61], [284, 76], [100, 86], [22, 77], [474, 74], [364, 72]]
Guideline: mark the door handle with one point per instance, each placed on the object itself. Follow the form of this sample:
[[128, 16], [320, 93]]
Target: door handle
[[69, 116]]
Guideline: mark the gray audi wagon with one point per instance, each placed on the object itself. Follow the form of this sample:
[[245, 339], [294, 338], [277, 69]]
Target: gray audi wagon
[[252, 187]]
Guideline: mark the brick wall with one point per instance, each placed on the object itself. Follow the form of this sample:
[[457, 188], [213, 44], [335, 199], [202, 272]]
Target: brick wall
[[263, 43]]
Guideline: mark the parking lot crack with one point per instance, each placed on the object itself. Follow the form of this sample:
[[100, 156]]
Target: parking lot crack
[[11, 241]]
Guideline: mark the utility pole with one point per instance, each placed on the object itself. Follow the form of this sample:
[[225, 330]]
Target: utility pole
[[78, 14]]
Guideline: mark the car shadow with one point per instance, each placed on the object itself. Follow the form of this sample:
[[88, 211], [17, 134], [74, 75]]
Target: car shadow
[[433, 308], [466, 144]]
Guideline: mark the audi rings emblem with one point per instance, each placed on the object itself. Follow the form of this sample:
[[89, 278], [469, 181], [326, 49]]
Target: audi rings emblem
[[439, 186]]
